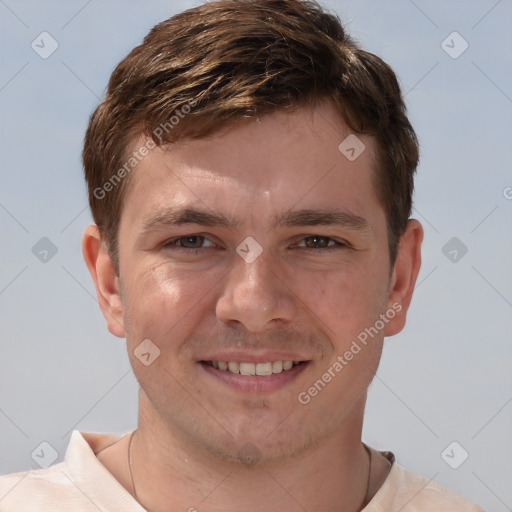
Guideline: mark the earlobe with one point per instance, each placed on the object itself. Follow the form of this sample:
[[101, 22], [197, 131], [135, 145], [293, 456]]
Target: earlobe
[[405, 273], [105, 279]]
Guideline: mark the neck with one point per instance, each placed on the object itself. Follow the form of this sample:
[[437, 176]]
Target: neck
[[170, 471]]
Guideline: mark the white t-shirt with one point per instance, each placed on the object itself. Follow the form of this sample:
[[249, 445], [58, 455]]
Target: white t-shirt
[[81, 483]]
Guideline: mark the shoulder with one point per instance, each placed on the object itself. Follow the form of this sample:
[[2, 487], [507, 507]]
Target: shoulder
[[79, 482], [38, 487], [407, 491]]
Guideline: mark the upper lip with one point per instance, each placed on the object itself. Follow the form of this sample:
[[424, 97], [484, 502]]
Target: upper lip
[[253, 356]]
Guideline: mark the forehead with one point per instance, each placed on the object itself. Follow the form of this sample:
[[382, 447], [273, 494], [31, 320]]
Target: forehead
[[255, 168]]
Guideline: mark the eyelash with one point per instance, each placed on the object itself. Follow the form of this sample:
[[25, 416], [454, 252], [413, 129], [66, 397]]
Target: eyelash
[[172, 244], [337, 244]]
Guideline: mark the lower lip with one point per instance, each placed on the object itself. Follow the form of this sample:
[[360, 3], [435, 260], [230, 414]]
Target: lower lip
[[255, 383]]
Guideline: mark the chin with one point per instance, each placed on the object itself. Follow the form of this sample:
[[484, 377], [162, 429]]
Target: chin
[[260, 449]]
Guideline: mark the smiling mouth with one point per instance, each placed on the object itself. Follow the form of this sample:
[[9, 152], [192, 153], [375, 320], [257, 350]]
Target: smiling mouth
[[260, 369]]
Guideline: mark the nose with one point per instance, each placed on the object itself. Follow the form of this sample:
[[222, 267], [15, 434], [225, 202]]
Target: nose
[[256, 294]]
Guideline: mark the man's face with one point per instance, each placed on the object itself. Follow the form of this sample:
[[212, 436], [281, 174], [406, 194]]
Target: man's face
[[194, 284]]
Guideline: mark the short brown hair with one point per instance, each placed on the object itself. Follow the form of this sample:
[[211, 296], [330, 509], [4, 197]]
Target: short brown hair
[[230, 60]]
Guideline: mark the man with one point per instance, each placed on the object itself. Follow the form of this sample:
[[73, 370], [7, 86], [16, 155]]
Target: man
[[250, 174]]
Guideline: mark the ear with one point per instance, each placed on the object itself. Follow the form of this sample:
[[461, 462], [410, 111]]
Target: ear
[[405, 273], [105, 280]]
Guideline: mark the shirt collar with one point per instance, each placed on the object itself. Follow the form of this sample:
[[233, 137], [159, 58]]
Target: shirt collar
[[91, 477]]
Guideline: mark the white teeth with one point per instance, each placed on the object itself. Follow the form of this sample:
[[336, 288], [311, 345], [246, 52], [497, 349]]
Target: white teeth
[[233, 367], [287, 365], [267, 368], [264, 369], [247, 368], [277, 366]]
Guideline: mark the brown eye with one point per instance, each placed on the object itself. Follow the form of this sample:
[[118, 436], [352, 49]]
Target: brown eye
[[318, 242], [191, 242]]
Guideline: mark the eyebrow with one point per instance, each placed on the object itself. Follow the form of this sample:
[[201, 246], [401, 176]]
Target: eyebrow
[[322, 217], [177, 216]]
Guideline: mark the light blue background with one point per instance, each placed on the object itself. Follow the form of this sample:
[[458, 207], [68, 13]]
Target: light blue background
[[446, 378]]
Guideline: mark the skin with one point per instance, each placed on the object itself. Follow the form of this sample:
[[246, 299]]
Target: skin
[[297, 296]]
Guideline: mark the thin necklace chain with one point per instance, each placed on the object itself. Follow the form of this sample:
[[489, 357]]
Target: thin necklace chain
[[363, 505], [131, 473]]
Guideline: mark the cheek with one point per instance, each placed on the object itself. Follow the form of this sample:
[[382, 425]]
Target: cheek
[[348, 300], [164, 304], [349, 306]]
